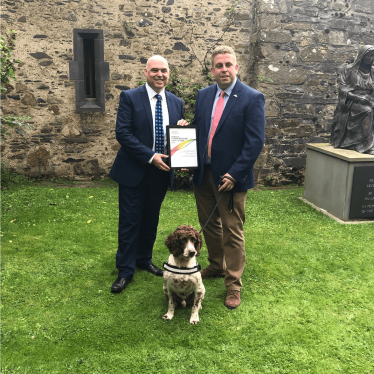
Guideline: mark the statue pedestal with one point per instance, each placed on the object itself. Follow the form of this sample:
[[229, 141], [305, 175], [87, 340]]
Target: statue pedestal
[[340, 182]]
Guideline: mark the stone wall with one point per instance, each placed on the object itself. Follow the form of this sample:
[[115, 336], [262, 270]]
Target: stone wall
[[298, 50], [291, 50], [83, 145]]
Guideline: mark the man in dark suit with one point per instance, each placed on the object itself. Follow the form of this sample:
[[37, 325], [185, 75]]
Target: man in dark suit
[[143, 177], [231, 123]]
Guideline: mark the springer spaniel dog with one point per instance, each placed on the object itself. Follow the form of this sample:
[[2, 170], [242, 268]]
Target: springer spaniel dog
[[182, 279]]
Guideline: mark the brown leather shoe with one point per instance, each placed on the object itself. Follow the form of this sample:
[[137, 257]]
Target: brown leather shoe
[[232, 299], [207, 273]]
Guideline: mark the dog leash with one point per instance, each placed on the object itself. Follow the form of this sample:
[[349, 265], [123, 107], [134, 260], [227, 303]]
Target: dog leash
[[231, 202]]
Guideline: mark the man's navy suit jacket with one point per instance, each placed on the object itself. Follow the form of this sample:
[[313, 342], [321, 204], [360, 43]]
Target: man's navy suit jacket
[[239, 136], [134, 131]]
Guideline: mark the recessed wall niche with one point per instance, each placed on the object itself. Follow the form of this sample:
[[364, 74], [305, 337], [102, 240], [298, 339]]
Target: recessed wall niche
[[89, 70]]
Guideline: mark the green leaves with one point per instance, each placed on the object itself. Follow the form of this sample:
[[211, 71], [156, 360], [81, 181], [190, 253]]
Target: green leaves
[[7, 70], [182, 88], [20, 124], [261, 78]]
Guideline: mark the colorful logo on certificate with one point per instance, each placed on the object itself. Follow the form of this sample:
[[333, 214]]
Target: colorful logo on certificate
[[181, 146]]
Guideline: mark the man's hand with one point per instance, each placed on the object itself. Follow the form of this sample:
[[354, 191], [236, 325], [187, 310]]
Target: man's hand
[[157, 161], [228, 185], [182, 122]]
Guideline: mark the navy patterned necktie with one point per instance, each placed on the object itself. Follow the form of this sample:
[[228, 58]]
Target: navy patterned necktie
[[159, 128]]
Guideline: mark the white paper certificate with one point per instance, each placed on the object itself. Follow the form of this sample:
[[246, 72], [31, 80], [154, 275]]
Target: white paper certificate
[[183, 147]]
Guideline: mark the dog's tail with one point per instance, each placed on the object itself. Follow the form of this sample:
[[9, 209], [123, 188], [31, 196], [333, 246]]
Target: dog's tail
[[183, 303]]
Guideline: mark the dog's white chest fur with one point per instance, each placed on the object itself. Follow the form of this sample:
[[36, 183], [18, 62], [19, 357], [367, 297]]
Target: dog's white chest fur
[[182, 284]]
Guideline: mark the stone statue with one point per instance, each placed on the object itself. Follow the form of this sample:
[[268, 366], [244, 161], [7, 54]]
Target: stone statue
[[353, 126]]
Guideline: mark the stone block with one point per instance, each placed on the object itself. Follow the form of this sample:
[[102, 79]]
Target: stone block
[[39, 55], [71, 160], [144, 22], [267, 21], [297, 26], [20, 87], [125, 43], [29, 99], [122, 88], [69, 17], [80, 91], [275, 36], [337, 37], [179, 46], [272, 108], [314, 54], [90, 168], [54, 109], [127, 57], [14, 97], [267, 6], [102, 71], [43, 87], [329, 177], [341, 55], [309, 12], [39, 157], [339, 5], [363, 6], [81, 139], [45, 63], [279, 74]]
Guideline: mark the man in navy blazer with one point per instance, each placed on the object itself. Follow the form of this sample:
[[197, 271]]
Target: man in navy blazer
[[139, 170], [230, 117]]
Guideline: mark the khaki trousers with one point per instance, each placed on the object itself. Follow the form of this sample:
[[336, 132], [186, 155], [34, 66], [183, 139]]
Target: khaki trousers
[[224, 234]]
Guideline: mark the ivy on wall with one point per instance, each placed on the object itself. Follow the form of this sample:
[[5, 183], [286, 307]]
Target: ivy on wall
[[20, 124]]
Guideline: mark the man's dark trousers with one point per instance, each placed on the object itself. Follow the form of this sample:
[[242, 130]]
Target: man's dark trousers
[[139, 209]]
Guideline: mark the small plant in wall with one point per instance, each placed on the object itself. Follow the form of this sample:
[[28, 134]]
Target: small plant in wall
[[126, 26], [20, 124], [233, 9], [262, 78]]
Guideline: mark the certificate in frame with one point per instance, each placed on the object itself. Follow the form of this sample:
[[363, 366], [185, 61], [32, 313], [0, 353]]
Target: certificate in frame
[[182, 145]]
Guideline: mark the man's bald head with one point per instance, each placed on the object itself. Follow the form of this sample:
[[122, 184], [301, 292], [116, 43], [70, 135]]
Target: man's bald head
[[157, 73], [159, 58]]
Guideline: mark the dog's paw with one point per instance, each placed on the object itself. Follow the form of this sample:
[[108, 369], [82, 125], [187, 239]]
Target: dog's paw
[[167, 316], [194, 320]]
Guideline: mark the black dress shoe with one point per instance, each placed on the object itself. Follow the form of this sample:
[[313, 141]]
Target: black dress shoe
[[153, 270], [119, 285]]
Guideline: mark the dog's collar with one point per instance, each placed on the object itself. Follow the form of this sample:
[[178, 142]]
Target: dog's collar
[[177, 270]]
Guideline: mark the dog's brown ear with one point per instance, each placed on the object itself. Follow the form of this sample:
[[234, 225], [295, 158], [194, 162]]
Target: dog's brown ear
[[172, 243], [168, 241]]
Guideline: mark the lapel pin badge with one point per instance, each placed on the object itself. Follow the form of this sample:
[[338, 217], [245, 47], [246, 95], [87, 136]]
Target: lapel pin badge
[[235, 95]]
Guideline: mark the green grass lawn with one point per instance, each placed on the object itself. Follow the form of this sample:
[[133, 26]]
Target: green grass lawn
[[307, 298]]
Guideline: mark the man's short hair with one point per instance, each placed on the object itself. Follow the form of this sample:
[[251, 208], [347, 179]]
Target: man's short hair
[[221, 50], [157, 57]]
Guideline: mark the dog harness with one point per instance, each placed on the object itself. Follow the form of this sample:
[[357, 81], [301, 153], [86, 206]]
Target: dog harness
[[177, 270]]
